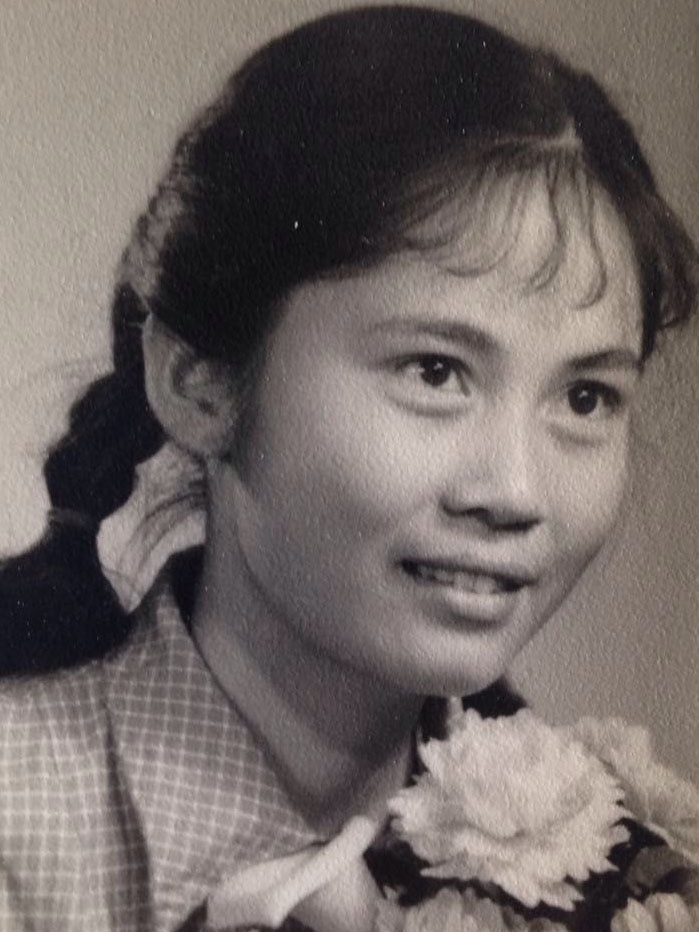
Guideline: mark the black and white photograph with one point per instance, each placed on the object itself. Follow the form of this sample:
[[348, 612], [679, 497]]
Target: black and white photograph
[[349, 466]]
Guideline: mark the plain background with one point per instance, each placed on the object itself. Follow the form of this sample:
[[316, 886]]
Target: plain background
[[92, 96]]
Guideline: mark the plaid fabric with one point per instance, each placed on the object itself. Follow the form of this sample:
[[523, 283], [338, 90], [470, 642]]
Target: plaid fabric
[[130, 787]]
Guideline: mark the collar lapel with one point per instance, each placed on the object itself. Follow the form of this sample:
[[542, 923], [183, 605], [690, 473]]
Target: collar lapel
[[205, 796]]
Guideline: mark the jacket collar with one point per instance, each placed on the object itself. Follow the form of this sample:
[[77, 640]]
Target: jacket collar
[[205, 795]]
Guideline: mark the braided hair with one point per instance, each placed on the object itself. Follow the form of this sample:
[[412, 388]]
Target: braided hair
[[57, 607], [328, 150]]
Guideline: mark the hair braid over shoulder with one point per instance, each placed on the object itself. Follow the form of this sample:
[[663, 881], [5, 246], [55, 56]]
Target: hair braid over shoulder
[[57, 608]]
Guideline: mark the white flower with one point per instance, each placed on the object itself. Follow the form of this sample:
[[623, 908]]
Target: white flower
[[513, 802], [451, 911], [655, 795], [661, 912]]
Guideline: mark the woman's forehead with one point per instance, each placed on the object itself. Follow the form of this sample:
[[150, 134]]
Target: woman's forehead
[[409, 300], [548, 225]]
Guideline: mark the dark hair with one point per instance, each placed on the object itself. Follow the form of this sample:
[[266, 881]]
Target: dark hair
[[329, 149]]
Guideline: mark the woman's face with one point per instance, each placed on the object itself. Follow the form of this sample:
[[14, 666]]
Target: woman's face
[[435, 458]]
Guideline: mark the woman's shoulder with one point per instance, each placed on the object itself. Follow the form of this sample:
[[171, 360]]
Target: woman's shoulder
[[46, 697], [49, 745], [66, 705], [61, 816], [43, 718], [71, 712]]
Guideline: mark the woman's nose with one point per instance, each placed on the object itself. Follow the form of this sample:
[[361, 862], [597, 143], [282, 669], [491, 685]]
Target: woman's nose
[[499, 477]]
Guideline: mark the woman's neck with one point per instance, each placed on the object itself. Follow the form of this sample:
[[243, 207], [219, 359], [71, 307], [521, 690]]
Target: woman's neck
[[341, 740]]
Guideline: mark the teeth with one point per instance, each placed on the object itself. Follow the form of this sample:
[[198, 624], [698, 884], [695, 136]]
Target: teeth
[[478, 583], [485, 585], [444, 576]]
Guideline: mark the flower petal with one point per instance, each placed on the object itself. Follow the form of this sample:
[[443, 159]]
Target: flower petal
[[513, 802]]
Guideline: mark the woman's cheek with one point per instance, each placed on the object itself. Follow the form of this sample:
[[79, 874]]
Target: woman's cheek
[[590, 497], [376, 464]]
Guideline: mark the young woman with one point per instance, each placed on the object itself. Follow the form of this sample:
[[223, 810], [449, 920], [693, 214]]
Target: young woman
[[395, 293]]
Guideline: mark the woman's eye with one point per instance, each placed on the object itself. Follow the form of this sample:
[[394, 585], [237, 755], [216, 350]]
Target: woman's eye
[[587, 399], [436, 371]]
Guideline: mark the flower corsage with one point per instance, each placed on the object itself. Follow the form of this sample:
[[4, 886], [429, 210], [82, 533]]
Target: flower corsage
[[516, 825]]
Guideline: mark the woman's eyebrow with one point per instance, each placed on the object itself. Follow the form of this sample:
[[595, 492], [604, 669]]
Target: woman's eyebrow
[[612, 358], [453, 330]]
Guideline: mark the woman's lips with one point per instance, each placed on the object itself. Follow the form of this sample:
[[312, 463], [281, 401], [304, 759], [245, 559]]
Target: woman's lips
[[476, 581], [465, 596]]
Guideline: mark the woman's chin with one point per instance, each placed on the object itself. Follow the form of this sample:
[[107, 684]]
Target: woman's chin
[[446, 683]]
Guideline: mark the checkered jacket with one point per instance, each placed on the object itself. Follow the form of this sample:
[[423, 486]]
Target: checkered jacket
[[129, 787]]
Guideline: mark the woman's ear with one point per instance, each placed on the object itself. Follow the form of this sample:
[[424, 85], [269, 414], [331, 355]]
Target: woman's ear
[[193, 397]]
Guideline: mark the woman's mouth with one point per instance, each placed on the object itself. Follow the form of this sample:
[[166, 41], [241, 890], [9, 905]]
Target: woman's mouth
[[464, 580]]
